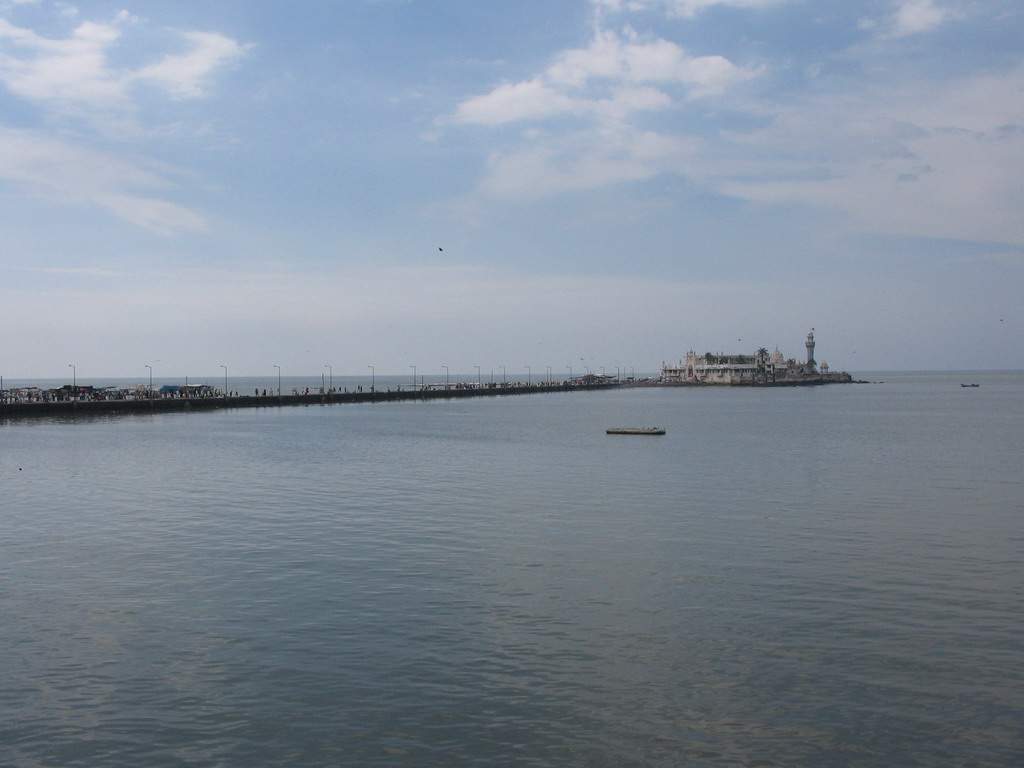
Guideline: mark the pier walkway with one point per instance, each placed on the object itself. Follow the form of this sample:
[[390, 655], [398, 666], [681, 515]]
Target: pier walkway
[[176, 404]]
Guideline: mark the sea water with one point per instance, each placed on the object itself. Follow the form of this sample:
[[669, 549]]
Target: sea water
[[820, 576]]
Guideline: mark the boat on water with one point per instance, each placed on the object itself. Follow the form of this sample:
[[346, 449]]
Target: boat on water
[[970, 385], [635, 431]]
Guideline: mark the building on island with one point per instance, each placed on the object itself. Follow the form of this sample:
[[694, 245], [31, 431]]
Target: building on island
[[760, 368]]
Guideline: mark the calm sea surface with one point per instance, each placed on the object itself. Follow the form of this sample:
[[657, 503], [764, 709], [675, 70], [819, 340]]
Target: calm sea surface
[[825, 576]]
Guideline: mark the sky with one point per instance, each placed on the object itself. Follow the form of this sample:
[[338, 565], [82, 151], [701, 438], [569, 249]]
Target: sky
[[509, 183]]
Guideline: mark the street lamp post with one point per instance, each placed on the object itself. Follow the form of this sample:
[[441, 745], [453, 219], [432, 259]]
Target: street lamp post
[[150, 381], [278, 380], [413, 376], [74, 378], [330, 381], [445, 376], [529, 376], [225, 381], [504, 375], [478, 382], [373, 378], [570, 372]]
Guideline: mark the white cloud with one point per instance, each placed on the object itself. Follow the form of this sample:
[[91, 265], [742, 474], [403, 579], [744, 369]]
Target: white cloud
[[610, 57], [912, 156], [67, 174], [69, 73], [686, 8], [579, 80], [582, 160], [528, 100], [913, 16], [75, 79], [184, 75], [149, 212], [608, 83], [73, 76], [932, 160]]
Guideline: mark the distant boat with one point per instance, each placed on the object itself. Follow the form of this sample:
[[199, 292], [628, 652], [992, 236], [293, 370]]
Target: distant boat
[[970, 385], [635, 431]]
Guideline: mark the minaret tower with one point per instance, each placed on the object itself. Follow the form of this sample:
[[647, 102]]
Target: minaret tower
[[810, 349]]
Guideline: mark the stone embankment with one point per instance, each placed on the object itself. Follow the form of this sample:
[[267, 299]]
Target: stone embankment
[[176, 404]]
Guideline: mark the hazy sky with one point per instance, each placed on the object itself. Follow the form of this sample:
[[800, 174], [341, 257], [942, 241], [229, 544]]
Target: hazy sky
[[256, 183]]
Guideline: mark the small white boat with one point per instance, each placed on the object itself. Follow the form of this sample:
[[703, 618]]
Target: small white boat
[[635, 431]]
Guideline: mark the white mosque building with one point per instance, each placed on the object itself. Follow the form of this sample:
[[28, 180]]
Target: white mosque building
[[761, 367]]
